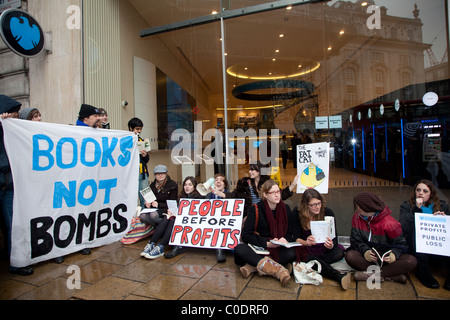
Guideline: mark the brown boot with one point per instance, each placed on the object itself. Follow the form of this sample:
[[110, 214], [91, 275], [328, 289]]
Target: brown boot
[[247, 270], [267, 266]]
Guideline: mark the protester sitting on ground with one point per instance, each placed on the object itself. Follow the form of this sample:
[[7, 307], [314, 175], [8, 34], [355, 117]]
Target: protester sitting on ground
[[164, 189], [374, 234], [423, 199], [312, 208], [266, 221], [218, 192], [248, 188], [164, 228]]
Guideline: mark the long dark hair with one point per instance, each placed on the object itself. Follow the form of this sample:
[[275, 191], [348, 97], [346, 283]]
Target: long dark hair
[[303, 209], [434, 199], [195, 194]]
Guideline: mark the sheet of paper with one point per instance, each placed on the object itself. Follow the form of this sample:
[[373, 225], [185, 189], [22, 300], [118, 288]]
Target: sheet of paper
[[320, 230], [172, 206]]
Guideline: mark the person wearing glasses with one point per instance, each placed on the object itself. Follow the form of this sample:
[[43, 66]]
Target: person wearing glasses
[[377, 242], [423, 199], [266, 221], [312, 208]]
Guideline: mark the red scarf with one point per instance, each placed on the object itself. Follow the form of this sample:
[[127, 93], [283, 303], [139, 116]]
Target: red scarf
[[278, 225]]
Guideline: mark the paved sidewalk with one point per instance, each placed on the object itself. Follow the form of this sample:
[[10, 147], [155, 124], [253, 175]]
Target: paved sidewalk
[[117, 272]]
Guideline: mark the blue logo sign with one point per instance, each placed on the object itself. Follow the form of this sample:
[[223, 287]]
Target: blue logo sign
[[21, 33]]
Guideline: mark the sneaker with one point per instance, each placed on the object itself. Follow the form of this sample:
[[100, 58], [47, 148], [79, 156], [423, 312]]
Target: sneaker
[[157, 251], [149, 247]]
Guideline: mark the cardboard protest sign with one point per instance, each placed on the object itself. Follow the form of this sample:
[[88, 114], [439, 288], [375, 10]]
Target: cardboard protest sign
[[212, 224], [432, 234], [74, 188], [313, 166]]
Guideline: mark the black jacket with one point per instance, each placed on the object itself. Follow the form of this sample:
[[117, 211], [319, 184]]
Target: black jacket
[[407, 221], [7, 105], [168, 192]]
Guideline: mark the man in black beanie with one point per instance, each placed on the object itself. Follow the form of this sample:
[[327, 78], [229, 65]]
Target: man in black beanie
[[88, 116], [9, 108]]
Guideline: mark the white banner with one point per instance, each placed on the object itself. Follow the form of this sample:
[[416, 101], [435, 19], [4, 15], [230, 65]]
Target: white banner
[[432, 234], [213, 224], [313, 166], [74, 188]]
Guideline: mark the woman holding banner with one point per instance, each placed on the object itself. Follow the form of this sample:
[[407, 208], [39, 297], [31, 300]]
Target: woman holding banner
[[218, 192], [164, 228], [312, 208], [267, 221], [423, 199]]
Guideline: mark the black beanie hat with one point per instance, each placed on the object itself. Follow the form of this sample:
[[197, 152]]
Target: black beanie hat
[[8, 105], [87, 110], [369, 202]]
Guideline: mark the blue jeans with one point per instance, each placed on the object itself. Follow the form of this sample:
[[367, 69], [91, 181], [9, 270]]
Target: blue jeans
[[6, 202]]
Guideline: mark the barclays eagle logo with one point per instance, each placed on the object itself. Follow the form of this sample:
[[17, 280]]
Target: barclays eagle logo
[[27, 36]]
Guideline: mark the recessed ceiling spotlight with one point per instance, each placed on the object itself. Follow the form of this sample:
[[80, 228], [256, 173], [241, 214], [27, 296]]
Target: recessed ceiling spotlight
[[274, 60], [329, 48], [281, 35], [277, 51], [342, 32], [289, 8], [364, 4], [214, 12]]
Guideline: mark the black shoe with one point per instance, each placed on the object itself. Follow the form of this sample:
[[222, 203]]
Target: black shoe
[[176, 251], [220, 255], [26, 271], [428, 280], [86, 251], [447, 283], [59, 260]]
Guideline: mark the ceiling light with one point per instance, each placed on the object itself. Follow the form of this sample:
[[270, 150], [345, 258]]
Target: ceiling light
[[289, 8], [364, 4], [274, 59], [214, 12], [277, 51], [342, 32], [281, 35], [329, 48]]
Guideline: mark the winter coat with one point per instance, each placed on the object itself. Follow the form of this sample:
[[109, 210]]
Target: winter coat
[[7, 105], [380, 231], [168, 192], [408, 223]]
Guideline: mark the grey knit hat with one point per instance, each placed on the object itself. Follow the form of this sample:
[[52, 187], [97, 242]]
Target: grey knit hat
[[160, 169], [24, 113]]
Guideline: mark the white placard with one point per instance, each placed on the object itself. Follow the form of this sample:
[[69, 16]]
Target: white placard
[[432, 234], [213, 224], [313, 166]]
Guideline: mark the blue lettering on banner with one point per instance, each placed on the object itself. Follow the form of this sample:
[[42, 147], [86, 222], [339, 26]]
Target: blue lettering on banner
[[45, 153]]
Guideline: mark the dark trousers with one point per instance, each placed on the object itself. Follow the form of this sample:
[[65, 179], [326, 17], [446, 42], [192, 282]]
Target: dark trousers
[[244, 254], [163, 231], [404, 264]]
